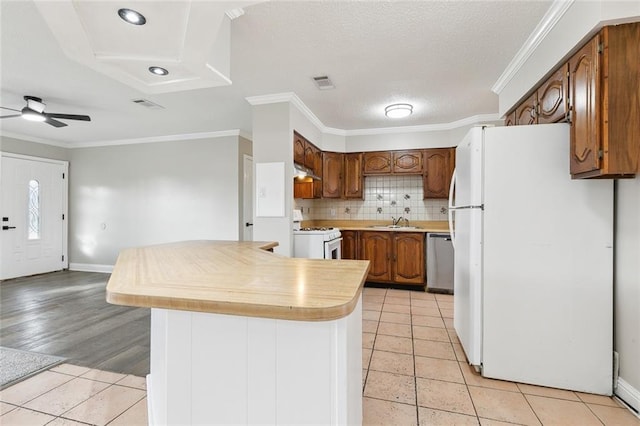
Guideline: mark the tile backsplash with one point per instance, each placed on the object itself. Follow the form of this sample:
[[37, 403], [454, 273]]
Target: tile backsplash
[[384, 197]]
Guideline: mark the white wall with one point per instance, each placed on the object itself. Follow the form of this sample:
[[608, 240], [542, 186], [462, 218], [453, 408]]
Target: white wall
[[627, 285], [580, 21], [18, 146], [134, 195], [273, 142]]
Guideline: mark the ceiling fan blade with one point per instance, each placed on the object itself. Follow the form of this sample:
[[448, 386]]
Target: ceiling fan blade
[[10, 109], [67, 116], [54, 123], [9, 116]]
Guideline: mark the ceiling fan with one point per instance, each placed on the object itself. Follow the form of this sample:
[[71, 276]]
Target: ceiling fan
[[34, 111]]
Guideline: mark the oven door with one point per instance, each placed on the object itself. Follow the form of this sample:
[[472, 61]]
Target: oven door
[[332, 249]]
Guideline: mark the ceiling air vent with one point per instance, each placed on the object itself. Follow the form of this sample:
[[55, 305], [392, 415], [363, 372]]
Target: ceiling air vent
[[147, 103], [323, 82]]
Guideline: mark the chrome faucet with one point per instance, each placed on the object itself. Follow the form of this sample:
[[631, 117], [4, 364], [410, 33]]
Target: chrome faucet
[[396, 221]]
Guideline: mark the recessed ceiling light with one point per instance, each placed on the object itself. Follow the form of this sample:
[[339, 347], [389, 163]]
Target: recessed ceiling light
[[158, 71], [132, 17], [398, 110]]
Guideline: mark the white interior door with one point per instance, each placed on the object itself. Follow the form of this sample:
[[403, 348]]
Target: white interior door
[[247, 199], [34, 212]]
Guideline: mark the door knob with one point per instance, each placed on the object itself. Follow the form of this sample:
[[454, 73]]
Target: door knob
[[6, 228], [248, 224]]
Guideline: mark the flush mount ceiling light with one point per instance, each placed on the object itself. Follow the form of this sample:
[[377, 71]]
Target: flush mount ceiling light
[[398, 110], [158, 71], [132, 17]]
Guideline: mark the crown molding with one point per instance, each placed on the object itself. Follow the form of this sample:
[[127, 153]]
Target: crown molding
[[475, 119], [548, 22], [35, 139], [152, 139], [295, 100], [166, 138], [288, 97]]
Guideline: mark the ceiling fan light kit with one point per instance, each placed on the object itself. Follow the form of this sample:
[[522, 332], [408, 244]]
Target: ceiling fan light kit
[[34, 111], [31, 115]]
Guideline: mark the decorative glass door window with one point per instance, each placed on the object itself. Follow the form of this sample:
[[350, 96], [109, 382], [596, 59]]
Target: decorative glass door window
[[34, 210]]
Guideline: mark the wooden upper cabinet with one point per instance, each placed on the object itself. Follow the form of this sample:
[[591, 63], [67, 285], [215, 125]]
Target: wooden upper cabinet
[[317, 169], [510, 119], [332, 174], [310, 152], [553, 97], [409, 162], [377, 247], [409, 266], [584, 68], [376, 163], [393, 162], [605, 104], [298, 148], [526, 111], [353, 183], [439, 164]]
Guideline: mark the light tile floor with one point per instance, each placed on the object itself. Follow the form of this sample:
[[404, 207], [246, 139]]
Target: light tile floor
[[415, 373]]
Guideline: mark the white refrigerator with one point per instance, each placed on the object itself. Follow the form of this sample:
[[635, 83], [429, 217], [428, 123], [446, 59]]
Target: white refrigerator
[[533, 278]]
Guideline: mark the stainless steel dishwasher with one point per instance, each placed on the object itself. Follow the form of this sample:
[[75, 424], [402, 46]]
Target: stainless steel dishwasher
[[439, 262]]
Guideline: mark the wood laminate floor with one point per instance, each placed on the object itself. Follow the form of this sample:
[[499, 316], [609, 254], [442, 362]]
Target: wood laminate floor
[[65, 314]]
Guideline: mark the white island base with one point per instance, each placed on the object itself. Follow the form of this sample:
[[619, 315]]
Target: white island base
[[209, 368]]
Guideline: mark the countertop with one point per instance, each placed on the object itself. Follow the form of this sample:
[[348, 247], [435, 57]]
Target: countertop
[[368, 225], [236, 278]]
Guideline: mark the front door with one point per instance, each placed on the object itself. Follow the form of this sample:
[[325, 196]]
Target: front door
[[34, 212], [247, 199]]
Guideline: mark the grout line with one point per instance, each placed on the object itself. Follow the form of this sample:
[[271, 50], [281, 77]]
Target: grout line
[[415, 371]]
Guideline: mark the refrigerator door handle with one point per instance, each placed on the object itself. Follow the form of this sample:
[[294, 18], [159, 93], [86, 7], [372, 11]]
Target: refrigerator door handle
[[451, 208]]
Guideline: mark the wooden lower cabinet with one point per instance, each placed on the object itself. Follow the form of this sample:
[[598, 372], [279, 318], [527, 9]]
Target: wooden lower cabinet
[[396, 257], [350, 245], [377, 247], [408, 258]]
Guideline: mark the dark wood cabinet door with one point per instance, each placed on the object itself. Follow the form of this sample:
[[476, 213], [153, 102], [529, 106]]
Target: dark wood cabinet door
[[409, 266], [526, 111], [584, 95], [510, 119], [303, 188], [332, 174], [377, 247], [298, 148], [317, 169], [552, 97], [439, 164], [376, 163], [310, 152], [353, 180], [350, 245], [409, 162]]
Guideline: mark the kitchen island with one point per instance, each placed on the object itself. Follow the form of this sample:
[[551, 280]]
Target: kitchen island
[[242, 335]]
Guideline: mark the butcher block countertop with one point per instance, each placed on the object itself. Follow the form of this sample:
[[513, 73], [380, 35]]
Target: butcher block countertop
[[372, 225], [236, 278]]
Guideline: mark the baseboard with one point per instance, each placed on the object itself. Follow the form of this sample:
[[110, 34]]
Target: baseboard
[[628, 394], [90, 267]]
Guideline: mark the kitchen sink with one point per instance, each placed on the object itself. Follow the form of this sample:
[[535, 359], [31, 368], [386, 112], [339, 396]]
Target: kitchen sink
[[394, 227]]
